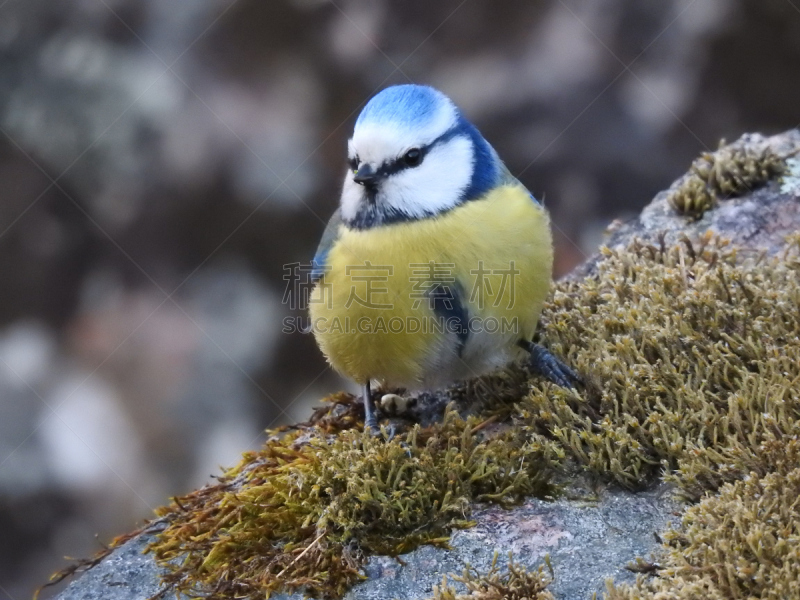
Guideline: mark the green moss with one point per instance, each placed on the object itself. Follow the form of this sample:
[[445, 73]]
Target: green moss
[[516, 583], [693, 362], [732, 170], [742, 543]]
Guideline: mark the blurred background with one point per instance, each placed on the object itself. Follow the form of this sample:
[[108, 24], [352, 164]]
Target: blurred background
[[162, 160]]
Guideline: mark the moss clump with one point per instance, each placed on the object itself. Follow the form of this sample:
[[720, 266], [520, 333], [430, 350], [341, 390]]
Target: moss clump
[[693, 362], [305, 511], [517, 583], [742, 543], [731, 171]]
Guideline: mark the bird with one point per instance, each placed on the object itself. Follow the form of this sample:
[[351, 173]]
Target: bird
[[436, 264]]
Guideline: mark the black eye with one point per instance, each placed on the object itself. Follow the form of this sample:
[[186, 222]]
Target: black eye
[[353, 163], [413, 157]]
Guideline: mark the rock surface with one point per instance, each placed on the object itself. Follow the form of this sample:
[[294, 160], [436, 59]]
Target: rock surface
[[126, 574], [754, 222], [588, 541]]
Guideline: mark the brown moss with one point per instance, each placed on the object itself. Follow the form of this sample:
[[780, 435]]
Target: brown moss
[[86, 564], [732, 170], [516, 583], [304, 512], [695, 373]]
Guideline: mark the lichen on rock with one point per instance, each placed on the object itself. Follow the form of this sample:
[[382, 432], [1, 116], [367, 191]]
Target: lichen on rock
[[790, 183]]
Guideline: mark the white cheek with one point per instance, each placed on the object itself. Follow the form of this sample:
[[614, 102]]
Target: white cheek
[[352, 197], [435, 185]]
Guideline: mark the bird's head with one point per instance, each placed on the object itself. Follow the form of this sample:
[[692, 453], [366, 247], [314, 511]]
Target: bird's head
[[412, 156]]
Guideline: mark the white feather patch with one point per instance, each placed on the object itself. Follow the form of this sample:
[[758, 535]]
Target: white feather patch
[[436, 185], [353, 196]]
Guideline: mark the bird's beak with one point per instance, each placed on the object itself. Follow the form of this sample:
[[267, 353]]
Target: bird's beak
[[366, 175]]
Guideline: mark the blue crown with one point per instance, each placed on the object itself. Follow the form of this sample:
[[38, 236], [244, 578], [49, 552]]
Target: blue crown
[[404, 105]]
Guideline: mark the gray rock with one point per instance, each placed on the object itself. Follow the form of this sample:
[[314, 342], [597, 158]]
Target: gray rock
[[755, 222], [587, 543], [126, 574]]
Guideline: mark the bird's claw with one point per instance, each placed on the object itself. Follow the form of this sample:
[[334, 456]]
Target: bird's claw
[[371, 425], [390, 433], [543, 362]]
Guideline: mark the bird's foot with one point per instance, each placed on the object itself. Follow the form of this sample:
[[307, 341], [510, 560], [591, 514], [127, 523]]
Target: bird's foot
[[388, 433], [544, 363], [371, 420], [370, 411], [373, 429]]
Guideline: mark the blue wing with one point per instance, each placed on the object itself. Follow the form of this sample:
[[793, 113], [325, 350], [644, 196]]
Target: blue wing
[[448, 305], [329, 236]]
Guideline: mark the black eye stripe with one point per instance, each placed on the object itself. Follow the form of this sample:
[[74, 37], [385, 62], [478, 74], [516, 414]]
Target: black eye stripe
[[399, 164]]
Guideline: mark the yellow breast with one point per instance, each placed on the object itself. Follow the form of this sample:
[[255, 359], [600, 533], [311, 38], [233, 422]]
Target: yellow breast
[[371, 312]]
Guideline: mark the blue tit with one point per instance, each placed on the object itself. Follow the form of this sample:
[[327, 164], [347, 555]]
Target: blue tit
[[438, 260]]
